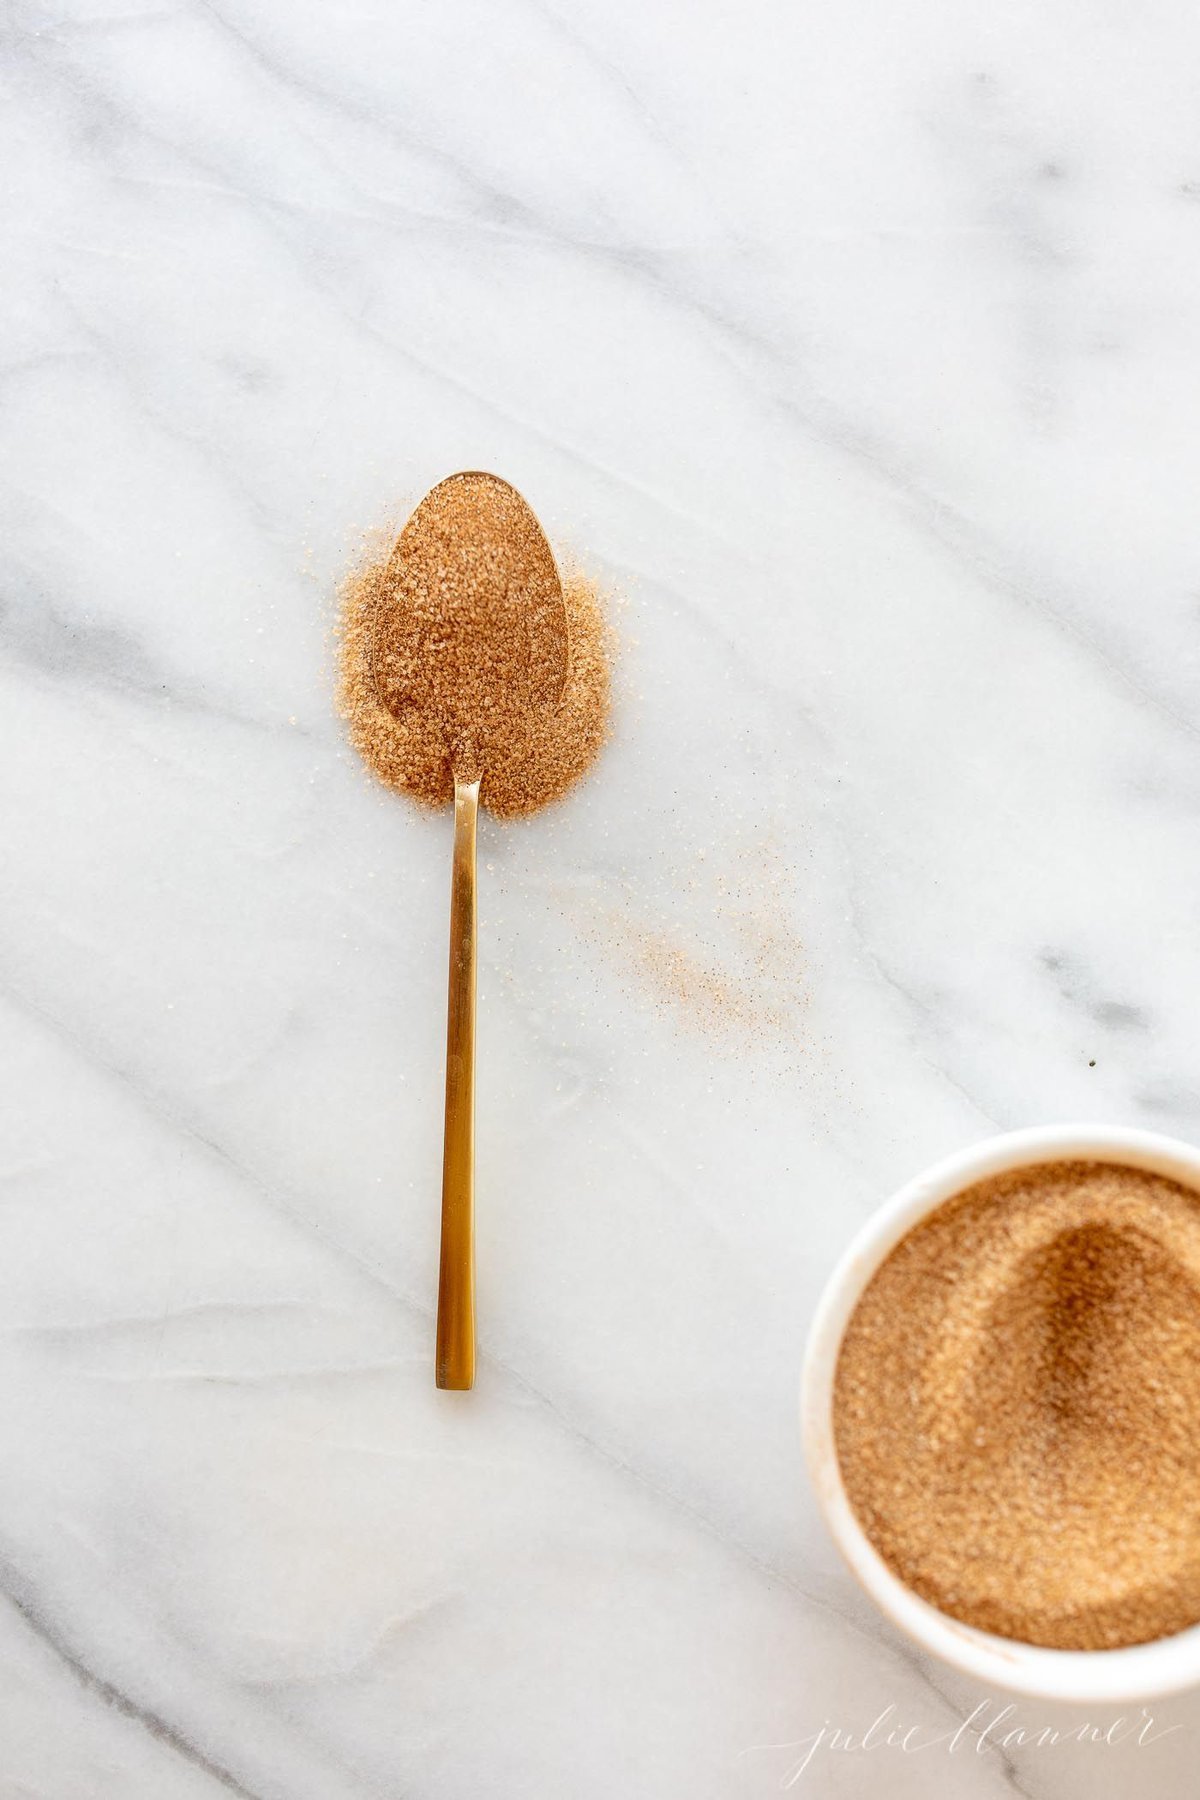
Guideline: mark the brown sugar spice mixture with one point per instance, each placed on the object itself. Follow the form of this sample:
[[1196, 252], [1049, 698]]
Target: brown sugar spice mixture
[[459, 655], [1017, 1407]]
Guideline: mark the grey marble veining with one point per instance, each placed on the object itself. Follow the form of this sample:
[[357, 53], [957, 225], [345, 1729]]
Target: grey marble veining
[[857, 349]]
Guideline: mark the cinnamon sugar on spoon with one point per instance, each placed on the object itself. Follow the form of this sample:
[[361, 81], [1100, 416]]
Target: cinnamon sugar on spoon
[[459, 652], [469, 676]]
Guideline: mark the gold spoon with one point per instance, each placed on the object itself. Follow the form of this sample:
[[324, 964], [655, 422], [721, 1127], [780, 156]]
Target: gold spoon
[[485, 603]]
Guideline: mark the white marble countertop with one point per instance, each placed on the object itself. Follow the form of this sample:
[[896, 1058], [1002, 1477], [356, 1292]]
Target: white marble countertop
[[858, 347]]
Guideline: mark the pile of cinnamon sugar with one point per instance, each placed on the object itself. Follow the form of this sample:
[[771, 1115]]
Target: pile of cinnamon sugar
[[1017, 1407], [459, 656]]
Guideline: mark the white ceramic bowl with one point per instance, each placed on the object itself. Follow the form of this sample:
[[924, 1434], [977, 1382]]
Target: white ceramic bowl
[[1140, 1672]]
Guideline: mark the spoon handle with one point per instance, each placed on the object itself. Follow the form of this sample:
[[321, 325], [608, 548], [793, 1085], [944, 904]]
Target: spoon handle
[[456, 1282]]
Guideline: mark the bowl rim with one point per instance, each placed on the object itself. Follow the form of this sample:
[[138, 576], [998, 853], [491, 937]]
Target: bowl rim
[[1135, 1672]]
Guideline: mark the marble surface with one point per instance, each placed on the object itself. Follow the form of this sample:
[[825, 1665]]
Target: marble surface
[[857, 349]]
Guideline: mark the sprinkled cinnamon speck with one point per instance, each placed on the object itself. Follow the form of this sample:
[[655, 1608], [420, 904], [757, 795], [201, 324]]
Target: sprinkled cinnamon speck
[[1017, 1407], [716, 948]]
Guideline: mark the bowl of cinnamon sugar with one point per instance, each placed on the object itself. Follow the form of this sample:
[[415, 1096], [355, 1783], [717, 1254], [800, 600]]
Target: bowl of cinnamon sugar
[[1001, 1412]]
